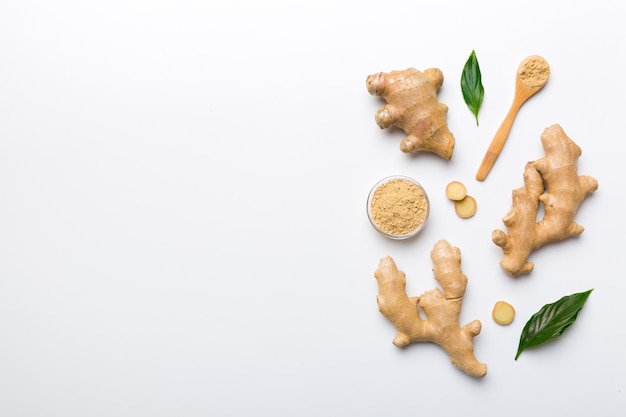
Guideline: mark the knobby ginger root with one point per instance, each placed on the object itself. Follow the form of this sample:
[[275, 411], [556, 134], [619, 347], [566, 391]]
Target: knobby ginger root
[[554, 182], [413, 106], [442, 309]]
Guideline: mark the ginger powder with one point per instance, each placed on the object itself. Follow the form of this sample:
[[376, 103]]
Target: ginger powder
[[398, 207], [534, 71]]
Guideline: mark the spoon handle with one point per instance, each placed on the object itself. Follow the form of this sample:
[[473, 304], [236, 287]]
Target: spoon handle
[[497, 142]]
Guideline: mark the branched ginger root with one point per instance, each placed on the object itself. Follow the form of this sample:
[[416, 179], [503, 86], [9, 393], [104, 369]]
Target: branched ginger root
[[554, 182], [442, 309], [412, 106]]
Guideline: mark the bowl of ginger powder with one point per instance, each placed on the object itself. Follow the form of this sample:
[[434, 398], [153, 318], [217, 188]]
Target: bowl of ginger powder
[[398, 207]]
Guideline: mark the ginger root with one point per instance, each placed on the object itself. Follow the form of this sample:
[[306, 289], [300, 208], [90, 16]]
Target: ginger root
[[442, 309], [413, 106], [554, 182]]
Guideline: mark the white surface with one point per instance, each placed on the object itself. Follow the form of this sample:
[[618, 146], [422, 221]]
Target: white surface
[[182, 208]]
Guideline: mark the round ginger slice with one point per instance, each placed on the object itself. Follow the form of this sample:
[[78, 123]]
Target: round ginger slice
[[456, 191], [466, 207], [503, 313]]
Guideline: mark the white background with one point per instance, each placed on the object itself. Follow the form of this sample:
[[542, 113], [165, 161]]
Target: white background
[[182, 207]]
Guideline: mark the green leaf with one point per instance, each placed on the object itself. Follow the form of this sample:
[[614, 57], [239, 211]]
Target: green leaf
[[471, 85], [551, 320]]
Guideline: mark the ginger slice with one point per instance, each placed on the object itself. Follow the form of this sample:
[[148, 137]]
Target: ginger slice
[[456, 191], [464, 204], [466, 207], [503, 313]]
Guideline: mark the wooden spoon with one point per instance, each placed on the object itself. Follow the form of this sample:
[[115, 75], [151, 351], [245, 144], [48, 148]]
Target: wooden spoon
[[532, 75]]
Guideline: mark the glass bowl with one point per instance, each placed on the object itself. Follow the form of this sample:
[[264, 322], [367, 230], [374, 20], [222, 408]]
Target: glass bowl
[[398, 207]]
